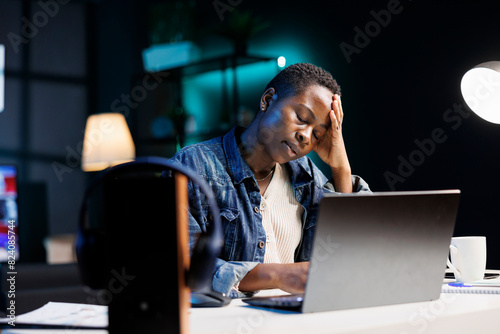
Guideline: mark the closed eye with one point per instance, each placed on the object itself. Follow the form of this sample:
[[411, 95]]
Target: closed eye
[[319, 133], [301, 119]]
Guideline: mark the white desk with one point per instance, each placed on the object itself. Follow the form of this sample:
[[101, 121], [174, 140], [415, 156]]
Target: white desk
[[452, 313]]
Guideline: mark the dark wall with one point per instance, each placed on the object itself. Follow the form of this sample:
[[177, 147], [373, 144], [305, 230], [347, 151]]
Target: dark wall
[[46, 100], [406, 124]]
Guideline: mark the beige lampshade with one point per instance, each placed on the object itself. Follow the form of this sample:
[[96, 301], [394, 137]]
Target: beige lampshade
[[107, 142]]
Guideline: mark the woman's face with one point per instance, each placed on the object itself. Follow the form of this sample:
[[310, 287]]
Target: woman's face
[[290, 127]]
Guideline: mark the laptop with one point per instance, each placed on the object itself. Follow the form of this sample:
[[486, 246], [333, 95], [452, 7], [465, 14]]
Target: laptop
[[375, 249]]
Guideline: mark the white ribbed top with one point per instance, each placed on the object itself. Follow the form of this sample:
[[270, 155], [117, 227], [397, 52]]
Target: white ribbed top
[[281, 217]]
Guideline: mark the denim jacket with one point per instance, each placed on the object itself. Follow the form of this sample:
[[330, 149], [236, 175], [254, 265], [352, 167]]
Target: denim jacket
[[220, 163]]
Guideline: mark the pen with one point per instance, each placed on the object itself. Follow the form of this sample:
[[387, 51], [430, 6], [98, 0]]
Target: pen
[[459, 284], [464, 285]]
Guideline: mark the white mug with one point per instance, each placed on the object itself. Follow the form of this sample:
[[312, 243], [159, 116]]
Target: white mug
[[468, 258]]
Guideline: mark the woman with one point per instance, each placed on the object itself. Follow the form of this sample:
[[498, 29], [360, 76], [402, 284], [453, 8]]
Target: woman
[[267, 190]]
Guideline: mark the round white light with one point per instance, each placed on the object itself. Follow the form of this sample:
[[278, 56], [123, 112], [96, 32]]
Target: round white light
[[281, 61], [481, 90]]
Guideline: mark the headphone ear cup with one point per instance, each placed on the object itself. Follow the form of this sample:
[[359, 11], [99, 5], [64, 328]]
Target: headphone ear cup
[[92, 246], [202, 263], [91, 255]]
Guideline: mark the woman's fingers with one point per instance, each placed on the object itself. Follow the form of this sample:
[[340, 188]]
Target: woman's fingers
[[337, 108]]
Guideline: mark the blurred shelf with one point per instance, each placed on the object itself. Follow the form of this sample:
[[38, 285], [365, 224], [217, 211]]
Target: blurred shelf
[[220, 63], [197, 136], [213, 64], [230, 98]]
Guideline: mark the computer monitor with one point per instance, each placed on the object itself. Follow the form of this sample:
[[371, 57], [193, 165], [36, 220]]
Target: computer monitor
[[2, 77], [9, 238]]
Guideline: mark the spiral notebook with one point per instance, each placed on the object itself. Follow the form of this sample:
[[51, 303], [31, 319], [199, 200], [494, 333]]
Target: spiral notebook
[[489, 285], [493, 290]]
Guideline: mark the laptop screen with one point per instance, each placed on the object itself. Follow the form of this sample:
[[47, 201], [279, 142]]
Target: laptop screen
[[9, 246]]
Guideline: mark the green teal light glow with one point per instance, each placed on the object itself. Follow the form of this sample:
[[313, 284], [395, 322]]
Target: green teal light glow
[[203, 95]]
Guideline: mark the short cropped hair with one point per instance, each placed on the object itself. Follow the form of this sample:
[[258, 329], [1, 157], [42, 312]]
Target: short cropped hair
[[296, 78]]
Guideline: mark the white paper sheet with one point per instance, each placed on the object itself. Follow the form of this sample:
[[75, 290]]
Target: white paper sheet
[[64, 314]]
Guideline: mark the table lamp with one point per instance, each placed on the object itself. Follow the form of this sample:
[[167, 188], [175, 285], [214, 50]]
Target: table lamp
[[481, 90], [107, 142]]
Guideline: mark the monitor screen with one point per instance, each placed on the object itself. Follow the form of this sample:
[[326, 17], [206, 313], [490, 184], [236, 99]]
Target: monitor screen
[[9, 239], [2, 77]]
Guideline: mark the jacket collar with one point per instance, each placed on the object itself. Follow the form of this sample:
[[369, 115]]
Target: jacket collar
[[237, 166], [301, 169]]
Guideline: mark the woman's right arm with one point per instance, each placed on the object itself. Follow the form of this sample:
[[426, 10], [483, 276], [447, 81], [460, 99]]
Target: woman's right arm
[[287, 277]]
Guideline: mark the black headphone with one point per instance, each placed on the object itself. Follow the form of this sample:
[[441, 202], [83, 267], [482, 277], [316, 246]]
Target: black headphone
[[91, 243]]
